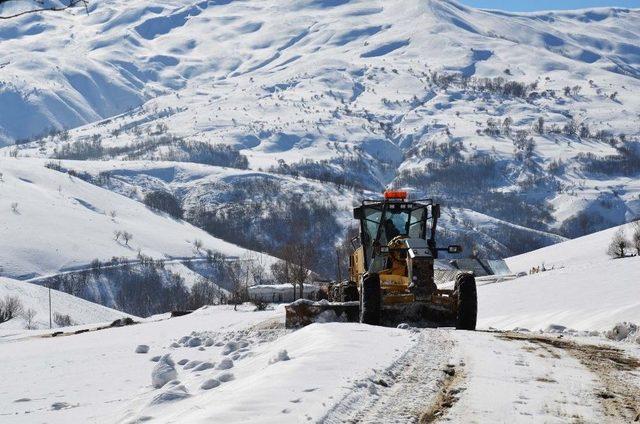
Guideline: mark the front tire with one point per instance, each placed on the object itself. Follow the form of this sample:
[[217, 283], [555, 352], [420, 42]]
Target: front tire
[[467, 313], [370, 300]]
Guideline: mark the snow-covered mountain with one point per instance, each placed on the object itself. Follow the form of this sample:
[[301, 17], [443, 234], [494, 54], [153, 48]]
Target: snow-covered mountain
[[529, 120]]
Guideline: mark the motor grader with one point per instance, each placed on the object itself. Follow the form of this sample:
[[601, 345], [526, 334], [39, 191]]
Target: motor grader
[[391, 272]]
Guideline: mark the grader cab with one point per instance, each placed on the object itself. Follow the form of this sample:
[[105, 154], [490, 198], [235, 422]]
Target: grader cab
[[391, 271]]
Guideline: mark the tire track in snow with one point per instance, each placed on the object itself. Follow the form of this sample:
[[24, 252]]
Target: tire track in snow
[[402, 392], [619, 398]]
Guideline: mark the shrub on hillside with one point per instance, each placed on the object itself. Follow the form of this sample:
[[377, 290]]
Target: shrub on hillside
[[165, 202]]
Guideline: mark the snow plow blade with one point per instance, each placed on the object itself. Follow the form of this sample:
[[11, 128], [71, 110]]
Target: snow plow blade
[[304, 312], [421, 314]]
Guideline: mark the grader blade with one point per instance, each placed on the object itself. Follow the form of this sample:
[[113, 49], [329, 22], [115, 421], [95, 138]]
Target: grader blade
[[304, 312]]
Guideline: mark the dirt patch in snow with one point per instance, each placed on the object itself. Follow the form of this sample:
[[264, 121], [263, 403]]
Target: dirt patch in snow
[[448, 396], [619, 398]]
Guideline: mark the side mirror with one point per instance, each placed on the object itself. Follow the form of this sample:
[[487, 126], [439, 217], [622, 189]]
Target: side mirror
[[454, 248], [357, 213]]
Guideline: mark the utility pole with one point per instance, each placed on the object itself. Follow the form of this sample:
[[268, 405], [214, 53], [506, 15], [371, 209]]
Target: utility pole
[[338, 265], [50, 326]]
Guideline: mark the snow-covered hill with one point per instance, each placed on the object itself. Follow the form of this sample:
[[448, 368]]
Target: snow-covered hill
[[54, 222], [36, 298], [582, 289], [428, 94]]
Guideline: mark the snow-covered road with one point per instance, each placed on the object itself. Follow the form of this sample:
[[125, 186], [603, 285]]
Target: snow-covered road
[[243, 366]]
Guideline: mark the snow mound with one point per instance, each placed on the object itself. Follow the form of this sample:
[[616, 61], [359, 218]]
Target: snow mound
[[282, 355], [143, 349], [210, 384], [172, 394], [203, 366], [225, 364], [226, 376], [163, 372]]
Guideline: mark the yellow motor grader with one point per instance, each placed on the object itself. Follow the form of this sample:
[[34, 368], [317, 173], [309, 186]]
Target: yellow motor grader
[[391, 272]]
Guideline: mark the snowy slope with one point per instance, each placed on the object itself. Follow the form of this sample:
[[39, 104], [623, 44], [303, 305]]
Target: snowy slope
[[36, 297], [585, 290], [61, 222], [359, 93], [243, 366]]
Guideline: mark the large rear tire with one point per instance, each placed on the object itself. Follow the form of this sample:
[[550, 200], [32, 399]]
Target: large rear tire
[[467, 294], [370, 300]]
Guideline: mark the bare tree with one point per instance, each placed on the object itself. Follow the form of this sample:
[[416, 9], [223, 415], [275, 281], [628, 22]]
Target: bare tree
[[126, 237], [281, 271], [10, 307], [538, 126], [29, 316], [299, 256], [238, 273], [618, 245], [197, 245], [635, 238], [40, 6]]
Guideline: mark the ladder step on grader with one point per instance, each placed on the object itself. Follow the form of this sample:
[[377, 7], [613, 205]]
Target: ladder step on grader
[[391, 272]]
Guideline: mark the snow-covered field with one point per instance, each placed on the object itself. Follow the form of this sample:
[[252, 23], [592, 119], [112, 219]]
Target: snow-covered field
[[54, 222], [583, 289], [36, 298], [221, 365]]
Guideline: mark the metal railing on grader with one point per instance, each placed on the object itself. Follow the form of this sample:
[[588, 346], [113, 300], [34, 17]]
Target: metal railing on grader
[[391, 272]]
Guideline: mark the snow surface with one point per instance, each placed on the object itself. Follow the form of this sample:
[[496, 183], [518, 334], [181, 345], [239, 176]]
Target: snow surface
[[63, 223], [586, 289], [36, 297]]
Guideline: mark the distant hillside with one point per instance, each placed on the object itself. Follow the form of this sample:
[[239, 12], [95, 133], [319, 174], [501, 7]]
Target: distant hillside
[[530, 120], [36, 298]]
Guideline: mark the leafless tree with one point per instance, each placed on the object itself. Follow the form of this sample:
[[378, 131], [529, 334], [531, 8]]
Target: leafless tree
[[40, 6], [127, 236], [29, 315], [10, 307], [238, 274], [281, 271], [299, 257], [618, 245], [197, 245], [635, 238]]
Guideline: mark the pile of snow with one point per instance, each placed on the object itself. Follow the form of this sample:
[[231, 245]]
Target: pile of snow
[[585, 290], [36, 298], [163, 372]]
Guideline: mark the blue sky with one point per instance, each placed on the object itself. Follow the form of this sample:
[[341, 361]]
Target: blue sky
[[530, 5]]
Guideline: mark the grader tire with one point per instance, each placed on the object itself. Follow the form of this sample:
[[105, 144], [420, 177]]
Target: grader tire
[[467, 294], [371, 300]]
